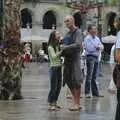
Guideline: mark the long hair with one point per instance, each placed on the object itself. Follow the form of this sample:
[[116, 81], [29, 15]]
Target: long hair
[[52, 40], [117, 20]]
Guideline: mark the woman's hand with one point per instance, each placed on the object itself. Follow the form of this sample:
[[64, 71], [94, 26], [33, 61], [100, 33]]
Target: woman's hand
[[63, 47]]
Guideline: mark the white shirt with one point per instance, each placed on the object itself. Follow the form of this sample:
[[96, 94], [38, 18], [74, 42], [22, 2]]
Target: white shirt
[[118, 40], [91, 44], [112, 54]]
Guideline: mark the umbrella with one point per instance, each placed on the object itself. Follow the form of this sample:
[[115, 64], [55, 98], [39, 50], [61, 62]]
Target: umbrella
[[109, 39]]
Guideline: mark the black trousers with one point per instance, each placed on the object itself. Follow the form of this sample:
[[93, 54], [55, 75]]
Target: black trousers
[[117, 117], [116, 78]]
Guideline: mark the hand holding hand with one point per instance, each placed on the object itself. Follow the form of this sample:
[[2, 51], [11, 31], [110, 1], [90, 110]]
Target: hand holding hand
[[63, 47]]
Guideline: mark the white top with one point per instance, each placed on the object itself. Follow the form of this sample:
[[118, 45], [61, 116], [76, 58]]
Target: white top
[[112, 54], [118, 40]]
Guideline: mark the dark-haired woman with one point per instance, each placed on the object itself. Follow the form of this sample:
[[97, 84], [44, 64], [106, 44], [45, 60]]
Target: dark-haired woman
[[116, 72], [55, 69]]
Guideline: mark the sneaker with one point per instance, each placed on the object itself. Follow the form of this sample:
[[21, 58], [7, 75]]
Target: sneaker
[[59, 107], [87, 96], [52, 108], [101, 95]]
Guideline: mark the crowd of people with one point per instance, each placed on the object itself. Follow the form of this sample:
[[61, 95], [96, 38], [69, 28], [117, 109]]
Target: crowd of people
[[72, 48], [77, 52]]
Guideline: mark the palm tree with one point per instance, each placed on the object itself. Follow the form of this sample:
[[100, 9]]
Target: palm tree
[[12, 13], [10, 71]]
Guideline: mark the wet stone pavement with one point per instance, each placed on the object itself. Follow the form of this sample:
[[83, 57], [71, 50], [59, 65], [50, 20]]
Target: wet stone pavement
[[35, 88]]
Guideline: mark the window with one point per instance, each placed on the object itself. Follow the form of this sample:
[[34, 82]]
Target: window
[[49, 20], [26, 18]]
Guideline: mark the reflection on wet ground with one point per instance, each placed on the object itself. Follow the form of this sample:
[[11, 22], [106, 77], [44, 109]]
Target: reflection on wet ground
[[35, 87]]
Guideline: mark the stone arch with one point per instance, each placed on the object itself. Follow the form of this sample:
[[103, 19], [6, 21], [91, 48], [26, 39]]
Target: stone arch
[[49, 20], [78, 19], [110, 21], [26, 18]]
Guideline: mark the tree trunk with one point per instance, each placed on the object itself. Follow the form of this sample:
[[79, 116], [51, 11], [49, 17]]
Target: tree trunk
[[12, 13], [11, 64]]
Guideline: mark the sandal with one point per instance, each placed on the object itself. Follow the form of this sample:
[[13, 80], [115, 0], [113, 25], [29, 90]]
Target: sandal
[[75, 108]]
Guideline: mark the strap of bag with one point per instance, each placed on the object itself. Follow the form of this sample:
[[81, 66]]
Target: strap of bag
[[73, 34]]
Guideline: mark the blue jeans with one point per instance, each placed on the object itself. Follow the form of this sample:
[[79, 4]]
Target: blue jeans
[[100, 69], [55, 84], [92, 69]]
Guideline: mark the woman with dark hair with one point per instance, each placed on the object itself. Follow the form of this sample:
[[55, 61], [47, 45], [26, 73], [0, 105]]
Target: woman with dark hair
[[116, 72], [54, 54]]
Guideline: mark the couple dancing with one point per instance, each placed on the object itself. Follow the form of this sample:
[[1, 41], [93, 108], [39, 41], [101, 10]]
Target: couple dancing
[[71, 49]]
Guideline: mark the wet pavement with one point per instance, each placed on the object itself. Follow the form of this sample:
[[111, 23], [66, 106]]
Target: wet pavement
[[35, 88]]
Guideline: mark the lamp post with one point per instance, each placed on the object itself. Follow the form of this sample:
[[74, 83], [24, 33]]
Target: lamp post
[[100, 4], [99, 25]]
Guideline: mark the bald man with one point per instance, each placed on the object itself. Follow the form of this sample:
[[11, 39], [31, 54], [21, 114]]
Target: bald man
[[72, 49]]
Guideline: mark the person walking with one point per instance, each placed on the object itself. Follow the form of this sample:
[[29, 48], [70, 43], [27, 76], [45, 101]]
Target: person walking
[[54, 54], [92, 46], [112, 87], [116, 71], [72, 49]]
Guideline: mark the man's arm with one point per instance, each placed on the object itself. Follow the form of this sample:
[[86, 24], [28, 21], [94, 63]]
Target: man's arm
[[117, 55], [77, 45], [117, 49]]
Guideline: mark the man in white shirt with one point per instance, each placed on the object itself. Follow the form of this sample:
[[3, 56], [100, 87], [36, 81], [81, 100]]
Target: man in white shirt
[[92, 46], [116, 72]]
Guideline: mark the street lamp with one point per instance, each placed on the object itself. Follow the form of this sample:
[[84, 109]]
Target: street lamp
[[99, 16]]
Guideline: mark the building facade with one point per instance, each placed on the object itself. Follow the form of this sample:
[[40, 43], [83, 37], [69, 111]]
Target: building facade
[[41, 16]]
